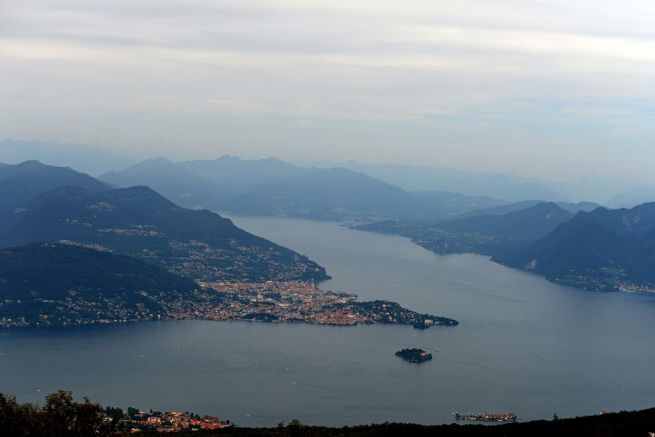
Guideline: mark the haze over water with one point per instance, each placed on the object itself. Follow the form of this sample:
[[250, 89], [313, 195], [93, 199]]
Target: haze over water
[[523, 345]]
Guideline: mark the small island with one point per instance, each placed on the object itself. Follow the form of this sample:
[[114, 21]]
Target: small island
[[414, 355]]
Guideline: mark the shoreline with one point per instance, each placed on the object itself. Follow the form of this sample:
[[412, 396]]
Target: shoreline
[[266, 302], [117, 421]]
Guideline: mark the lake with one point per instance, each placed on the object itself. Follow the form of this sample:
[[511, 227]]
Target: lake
[[523, 345]]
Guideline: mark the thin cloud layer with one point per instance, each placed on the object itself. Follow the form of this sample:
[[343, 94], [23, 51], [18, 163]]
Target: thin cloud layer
[[538, 86]]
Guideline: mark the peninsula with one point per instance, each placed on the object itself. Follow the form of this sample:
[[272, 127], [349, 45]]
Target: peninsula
[[63, 285], [296, 301]]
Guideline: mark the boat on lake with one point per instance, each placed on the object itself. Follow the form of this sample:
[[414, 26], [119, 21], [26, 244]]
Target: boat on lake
[[487, 417]]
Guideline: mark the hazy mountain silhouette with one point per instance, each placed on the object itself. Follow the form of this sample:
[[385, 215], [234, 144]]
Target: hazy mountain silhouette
[[531, 223], [423, 178], [273, 187], [601, 250], [573, 207], [172, 180], [86, 158], [633, 197], [20, 182]]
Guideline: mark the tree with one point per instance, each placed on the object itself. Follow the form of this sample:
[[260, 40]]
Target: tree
[[131, 412], [16, 419], [64, 416], [295, 423], [115, 413], [60, 416]]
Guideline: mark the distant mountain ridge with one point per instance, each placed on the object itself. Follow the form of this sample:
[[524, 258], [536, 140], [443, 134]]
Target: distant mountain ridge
[[173, 181], [483, 234], [202, 183], [614, 190], [600, 250], [276, 188], [238, 176], [320, 193], [424, 178], [573, 207], [633, 197], [618, 190], [531, 223], [86, 158], [21, 182]]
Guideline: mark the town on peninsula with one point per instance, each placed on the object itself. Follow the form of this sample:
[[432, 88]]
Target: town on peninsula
[[270, 301]]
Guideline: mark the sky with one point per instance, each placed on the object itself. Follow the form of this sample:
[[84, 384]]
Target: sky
[[552, 89]]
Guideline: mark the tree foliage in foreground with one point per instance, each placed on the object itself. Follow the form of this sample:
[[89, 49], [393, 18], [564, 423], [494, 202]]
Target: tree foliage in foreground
[[61, 415]]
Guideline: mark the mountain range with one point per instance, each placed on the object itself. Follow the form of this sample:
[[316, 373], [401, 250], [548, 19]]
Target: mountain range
[[488, 234], [423, 178], [613, 190], [578, 244], [599, 250], [87, 158], [31, 178], [530, 223], [573, 207], [273, 187], [141, 223], [618, 190]]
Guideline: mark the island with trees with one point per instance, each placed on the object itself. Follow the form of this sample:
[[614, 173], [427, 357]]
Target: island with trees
[[414, 355]]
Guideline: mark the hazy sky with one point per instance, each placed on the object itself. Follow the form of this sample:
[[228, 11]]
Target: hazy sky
[[549, 88]]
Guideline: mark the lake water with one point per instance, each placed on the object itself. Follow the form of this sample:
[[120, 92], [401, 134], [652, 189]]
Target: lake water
[[523, 345]]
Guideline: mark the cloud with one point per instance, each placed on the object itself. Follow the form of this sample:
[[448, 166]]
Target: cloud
[[238, 107], [364, 74]]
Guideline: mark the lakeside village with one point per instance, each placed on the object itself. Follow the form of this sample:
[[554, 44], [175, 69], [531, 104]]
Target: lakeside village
[[278, 301], [295, 301], [136, 421]]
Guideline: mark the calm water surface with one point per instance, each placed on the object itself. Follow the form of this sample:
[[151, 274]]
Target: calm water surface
[[524, 345]]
